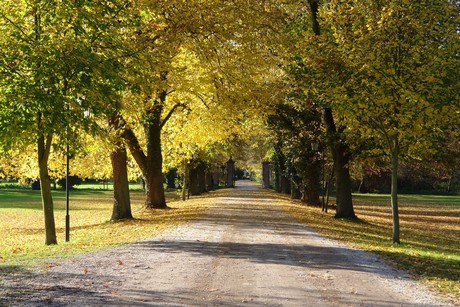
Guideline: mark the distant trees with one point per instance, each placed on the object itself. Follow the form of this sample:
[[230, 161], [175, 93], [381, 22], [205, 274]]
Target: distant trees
[[297, 162]]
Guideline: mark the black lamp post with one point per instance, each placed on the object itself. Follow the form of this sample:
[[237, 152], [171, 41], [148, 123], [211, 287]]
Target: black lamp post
[[67, 188]]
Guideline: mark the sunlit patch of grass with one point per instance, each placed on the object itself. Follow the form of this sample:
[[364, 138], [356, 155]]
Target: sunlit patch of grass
[[22, 233], [430, 235]]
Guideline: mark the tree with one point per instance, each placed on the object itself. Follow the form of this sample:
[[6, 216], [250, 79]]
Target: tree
[[48, 58], [181, 66], [31, 95], [398, 57], [307, 31], [296, 131]]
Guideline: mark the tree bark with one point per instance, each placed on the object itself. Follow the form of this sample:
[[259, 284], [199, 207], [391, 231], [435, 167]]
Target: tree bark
[[185, 185], [312, 184], [153, 173], [295, 181], [394, 191], [341, 156], [209, 178], [278, 165], [282, 182], [121, 203], [151, 164], [285, 184], [314, 16], [202, 177], [194, 181], [44, 147]]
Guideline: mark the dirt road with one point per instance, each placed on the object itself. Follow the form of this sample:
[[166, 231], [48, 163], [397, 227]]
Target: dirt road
[[244, 252]]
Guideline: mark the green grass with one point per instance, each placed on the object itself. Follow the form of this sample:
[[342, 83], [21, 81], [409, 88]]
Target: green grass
[[104, 186], [22, 232], [411, 198], [430, 229], [430, 234]]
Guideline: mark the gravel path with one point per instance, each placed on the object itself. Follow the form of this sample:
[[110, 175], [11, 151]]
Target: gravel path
[[244, 252]]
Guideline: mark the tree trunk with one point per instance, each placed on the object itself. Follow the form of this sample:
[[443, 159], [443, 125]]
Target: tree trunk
[[185, 186], [343, 187], [449, 184], [153, 173], [201, 177], [216, 177], [394, 191], [44, 147], [151, 164], [277, 179], [341, 155], [194, 181], [312, 184], [171, 179], [231, 173], [295, 185], [295, 192], [285, 184], [311, 196], [265, 175], [282, 180], [278, 165], [121, 204], [155, 197], [209, 179]]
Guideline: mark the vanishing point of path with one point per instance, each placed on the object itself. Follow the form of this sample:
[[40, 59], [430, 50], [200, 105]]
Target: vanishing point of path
[[245, 251]]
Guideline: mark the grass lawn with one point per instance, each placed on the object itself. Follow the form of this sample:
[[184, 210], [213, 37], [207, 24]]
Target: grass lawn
[[430, 229], [107, 186], [22, 233], [430, 234]]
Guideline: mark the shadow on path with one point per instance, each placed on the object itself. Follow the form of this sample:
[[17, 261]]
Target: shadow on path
[[251, 210]]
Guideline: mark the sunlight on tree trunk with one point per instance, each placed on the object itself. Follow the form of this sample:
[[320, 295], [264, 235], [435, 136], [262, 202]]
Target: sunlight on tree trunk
[[44, 147], [341, 155], [122, 204], [186, 180]]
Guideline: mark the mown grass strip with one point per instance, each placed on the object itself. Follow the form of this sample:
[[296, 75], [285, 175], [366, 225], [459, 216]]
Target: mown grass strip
[[430, 235], [22, 233]]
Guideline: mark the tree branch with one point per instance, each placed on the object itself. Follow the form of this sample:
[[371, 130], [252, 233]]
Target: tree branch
[[170, 113], [135, 148], [16, 26]]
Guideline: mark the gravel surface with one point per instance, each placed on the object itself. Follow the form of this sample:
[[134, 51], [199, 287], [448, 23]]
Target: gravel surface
[[244, 252]]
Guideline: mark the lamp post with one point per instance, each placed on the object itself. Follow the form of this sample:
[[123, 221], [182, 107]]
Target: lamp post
[[67, 188]]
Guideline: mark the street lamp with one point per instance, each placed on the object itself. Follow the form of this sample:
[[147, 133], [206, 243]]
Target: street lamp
[[67, 188]]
